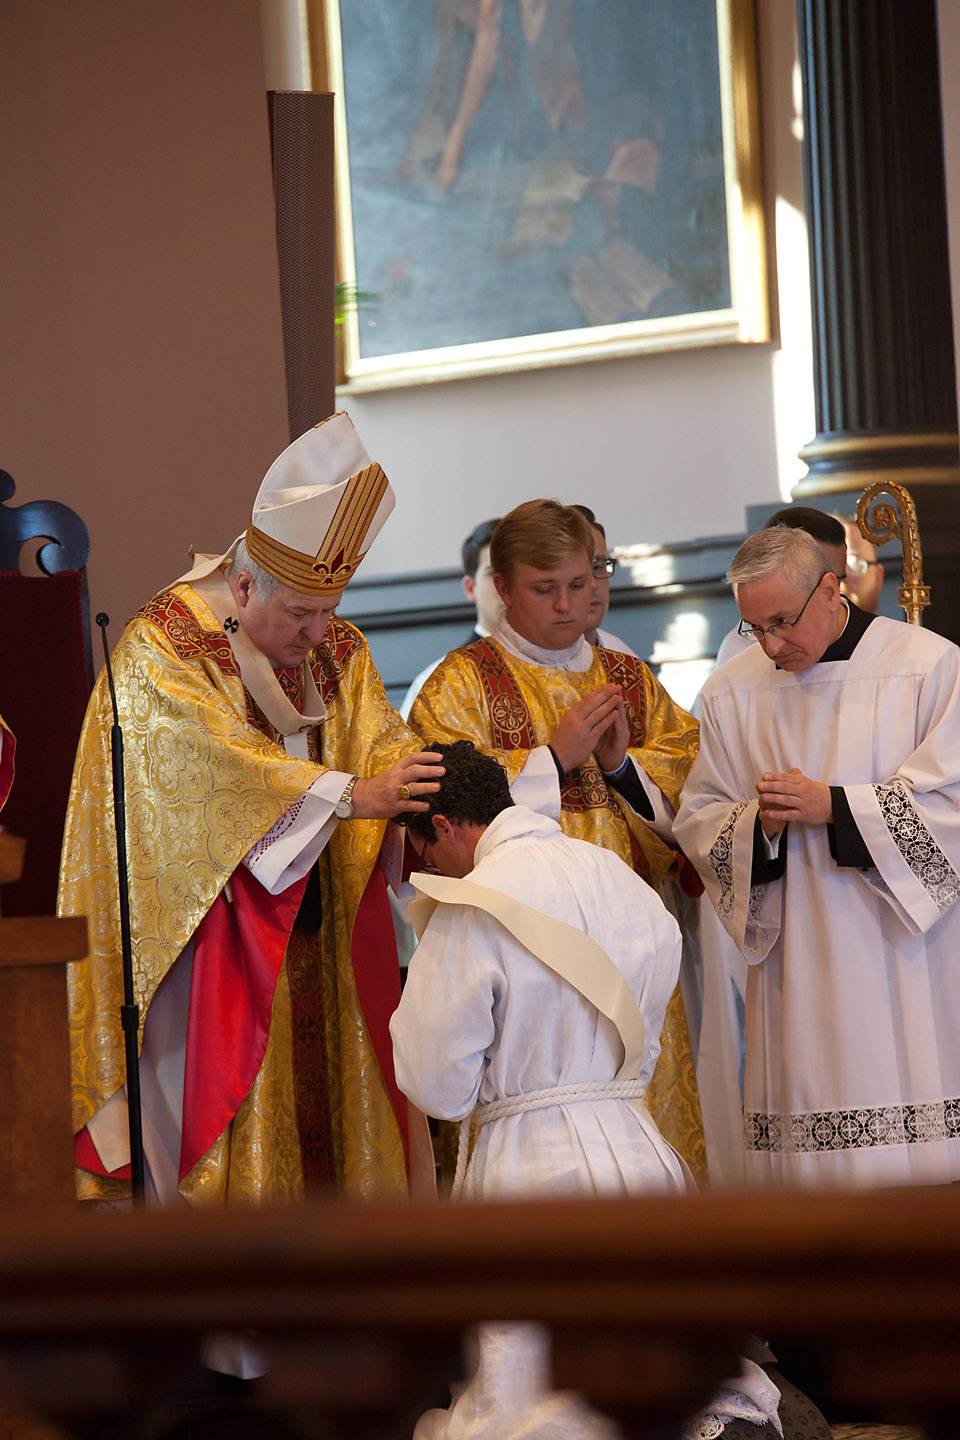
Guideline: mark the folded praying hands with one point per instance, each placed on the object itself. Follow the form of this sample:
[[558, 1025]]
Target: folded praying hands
[[791, 796]]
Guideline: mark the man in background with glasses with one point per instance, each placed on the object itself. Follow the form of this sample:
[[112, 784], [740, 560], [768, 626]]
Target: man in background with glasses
[[864, 578], [604, 568], [823, 813]]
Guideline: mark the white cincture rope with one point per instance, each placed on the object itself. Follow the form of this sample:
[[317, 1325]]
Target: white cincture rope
[[538, 1100]]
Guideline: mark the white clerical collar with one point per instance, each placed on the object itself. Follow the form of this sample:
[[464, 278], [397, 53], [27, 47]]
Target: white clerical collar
[[576, 657], [846, 622]]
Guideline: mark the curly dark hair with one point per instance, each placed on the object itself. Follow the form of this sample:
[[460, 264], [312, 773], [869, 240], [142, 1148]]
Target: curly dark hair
[[473, 791]]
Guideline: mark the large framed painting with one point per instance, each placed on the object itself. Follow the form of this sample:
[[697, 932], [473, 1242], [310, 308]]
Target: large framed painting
[[536, 182]]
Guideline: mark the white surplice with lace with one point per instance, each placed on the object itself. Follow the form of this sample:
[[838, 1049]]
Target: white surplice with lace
[[853, 1004]]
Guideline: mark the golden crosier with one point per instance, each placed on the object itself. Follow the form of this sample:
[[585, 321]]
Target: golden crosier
[[898, 518]]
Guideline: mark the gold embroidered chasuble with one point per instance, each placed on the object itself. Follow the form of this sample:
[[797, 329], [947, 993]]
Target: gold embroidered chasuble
[[206, 778], [508, 707]]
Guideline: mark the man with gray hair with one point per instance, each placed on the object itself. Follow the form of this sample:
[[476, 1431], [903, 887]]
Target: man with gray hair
[[823, 813], [263, 764]]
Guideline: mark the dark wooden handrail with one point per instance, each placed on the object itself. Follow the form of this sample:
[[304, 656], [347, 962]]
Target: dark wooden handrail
[[648, 1299]]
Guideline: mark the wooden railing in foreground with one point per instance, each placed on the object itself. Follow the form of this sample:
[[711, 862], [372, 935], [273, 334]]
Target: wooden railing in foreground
[[360, 1307]]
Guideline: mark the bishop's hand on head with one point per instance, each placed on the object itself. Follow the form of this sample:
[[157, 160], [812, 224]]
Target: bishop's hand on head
[[396, 791]]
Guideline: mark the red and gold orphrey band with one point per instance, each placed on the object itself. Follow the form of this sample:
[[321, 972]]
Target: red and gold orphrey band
[[341, 552]]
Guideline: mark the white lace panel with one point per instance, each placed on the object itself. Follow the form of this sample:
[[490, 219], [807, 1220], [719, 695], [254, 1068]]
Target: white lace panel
[[721, 859], [755, 905], [811, 1131], [730, 1405], [917, 845], [705, 1427]]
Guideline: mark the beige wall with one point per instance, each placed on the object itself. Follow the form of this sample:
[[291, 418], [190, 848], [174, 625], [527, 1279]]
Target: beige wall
[[141, 371]]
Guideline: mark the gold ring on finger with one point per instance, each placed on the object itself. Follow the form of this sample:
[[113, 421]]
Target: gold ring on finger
[[403, 792]]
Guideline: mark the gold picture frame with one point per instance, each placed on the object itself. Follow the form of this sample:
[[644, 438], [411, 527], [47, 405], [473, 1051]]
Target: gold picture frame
[[589, 188]]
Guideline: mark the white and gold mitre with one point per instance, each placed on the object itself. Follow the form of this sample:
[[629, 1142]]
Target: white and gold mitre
[[321, 505]]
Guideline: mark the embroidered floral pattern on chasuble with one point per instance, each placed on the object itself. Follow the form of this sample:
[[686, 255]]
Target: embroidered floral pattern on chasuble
[[206, 778], [508, 707]]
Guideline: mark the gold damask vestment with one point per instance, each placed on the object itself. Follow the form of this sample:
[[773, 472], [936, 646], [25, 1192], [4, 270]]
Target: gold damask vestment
[[206, 778], [508, 707]]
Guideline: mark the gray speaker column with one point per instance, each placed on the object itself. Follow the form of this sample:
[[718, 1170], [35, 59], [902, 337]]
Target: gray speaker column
[[301, 133]]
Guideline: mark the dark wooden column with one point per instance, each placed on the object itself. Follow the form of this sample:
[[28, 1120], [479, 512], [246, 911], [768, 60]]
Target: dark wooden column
[[884, 375]]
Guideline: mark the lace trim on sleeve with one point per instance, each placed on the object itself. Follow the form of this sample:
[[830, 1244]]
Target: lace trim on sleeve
[[728, 1407], [287, 820], [721, 859], [917, 846], [755, 905]]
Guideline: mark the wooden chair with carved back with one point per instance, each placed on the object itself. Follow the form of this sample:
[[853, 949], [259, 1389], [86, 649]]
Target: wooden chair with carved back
[[46, 673], [45, 681]]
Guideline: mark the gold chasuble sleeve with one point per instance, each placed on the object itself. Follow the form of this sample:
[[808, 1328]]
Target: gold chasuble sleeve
[[206, 778], [671, 737], [508, 707], [664, 741]]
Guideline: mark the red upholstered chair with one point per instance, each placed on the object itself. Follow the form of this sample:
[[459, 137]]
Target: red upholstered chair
[[46, 674]]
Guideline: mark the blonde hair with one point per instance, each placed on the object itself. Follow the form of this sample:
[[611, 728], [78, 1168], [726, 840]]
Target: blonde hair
[[542, 533]]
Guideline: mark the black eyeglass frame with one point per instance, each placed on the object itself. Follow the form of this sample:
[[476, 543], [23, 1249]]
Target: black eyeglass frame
[[752, 630], [604, 567]]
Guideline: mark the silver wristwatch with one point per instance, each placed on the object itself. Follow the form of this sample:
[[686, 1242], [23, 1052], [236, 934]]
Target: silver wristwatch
[[344, 806]]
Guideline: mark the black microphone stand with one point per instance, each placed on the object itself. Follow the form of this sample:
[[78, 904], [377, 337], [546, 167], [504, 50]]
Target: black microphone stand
[[129, 1010]]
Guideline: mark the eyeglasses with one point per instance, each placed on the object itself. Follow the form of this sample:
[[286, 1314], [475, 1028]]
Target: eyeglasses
[[604, 567], [858, 566], [782, 626]]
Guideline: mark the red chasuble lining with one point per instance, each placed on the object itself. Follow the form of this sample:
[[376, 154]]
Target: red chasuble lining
[[238, 951], [237, 954], [373, 946]]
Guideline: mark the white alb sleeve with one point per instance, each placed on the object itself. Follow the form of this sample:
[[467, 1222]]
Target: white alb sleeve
[[291, 846], [538, 784]]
